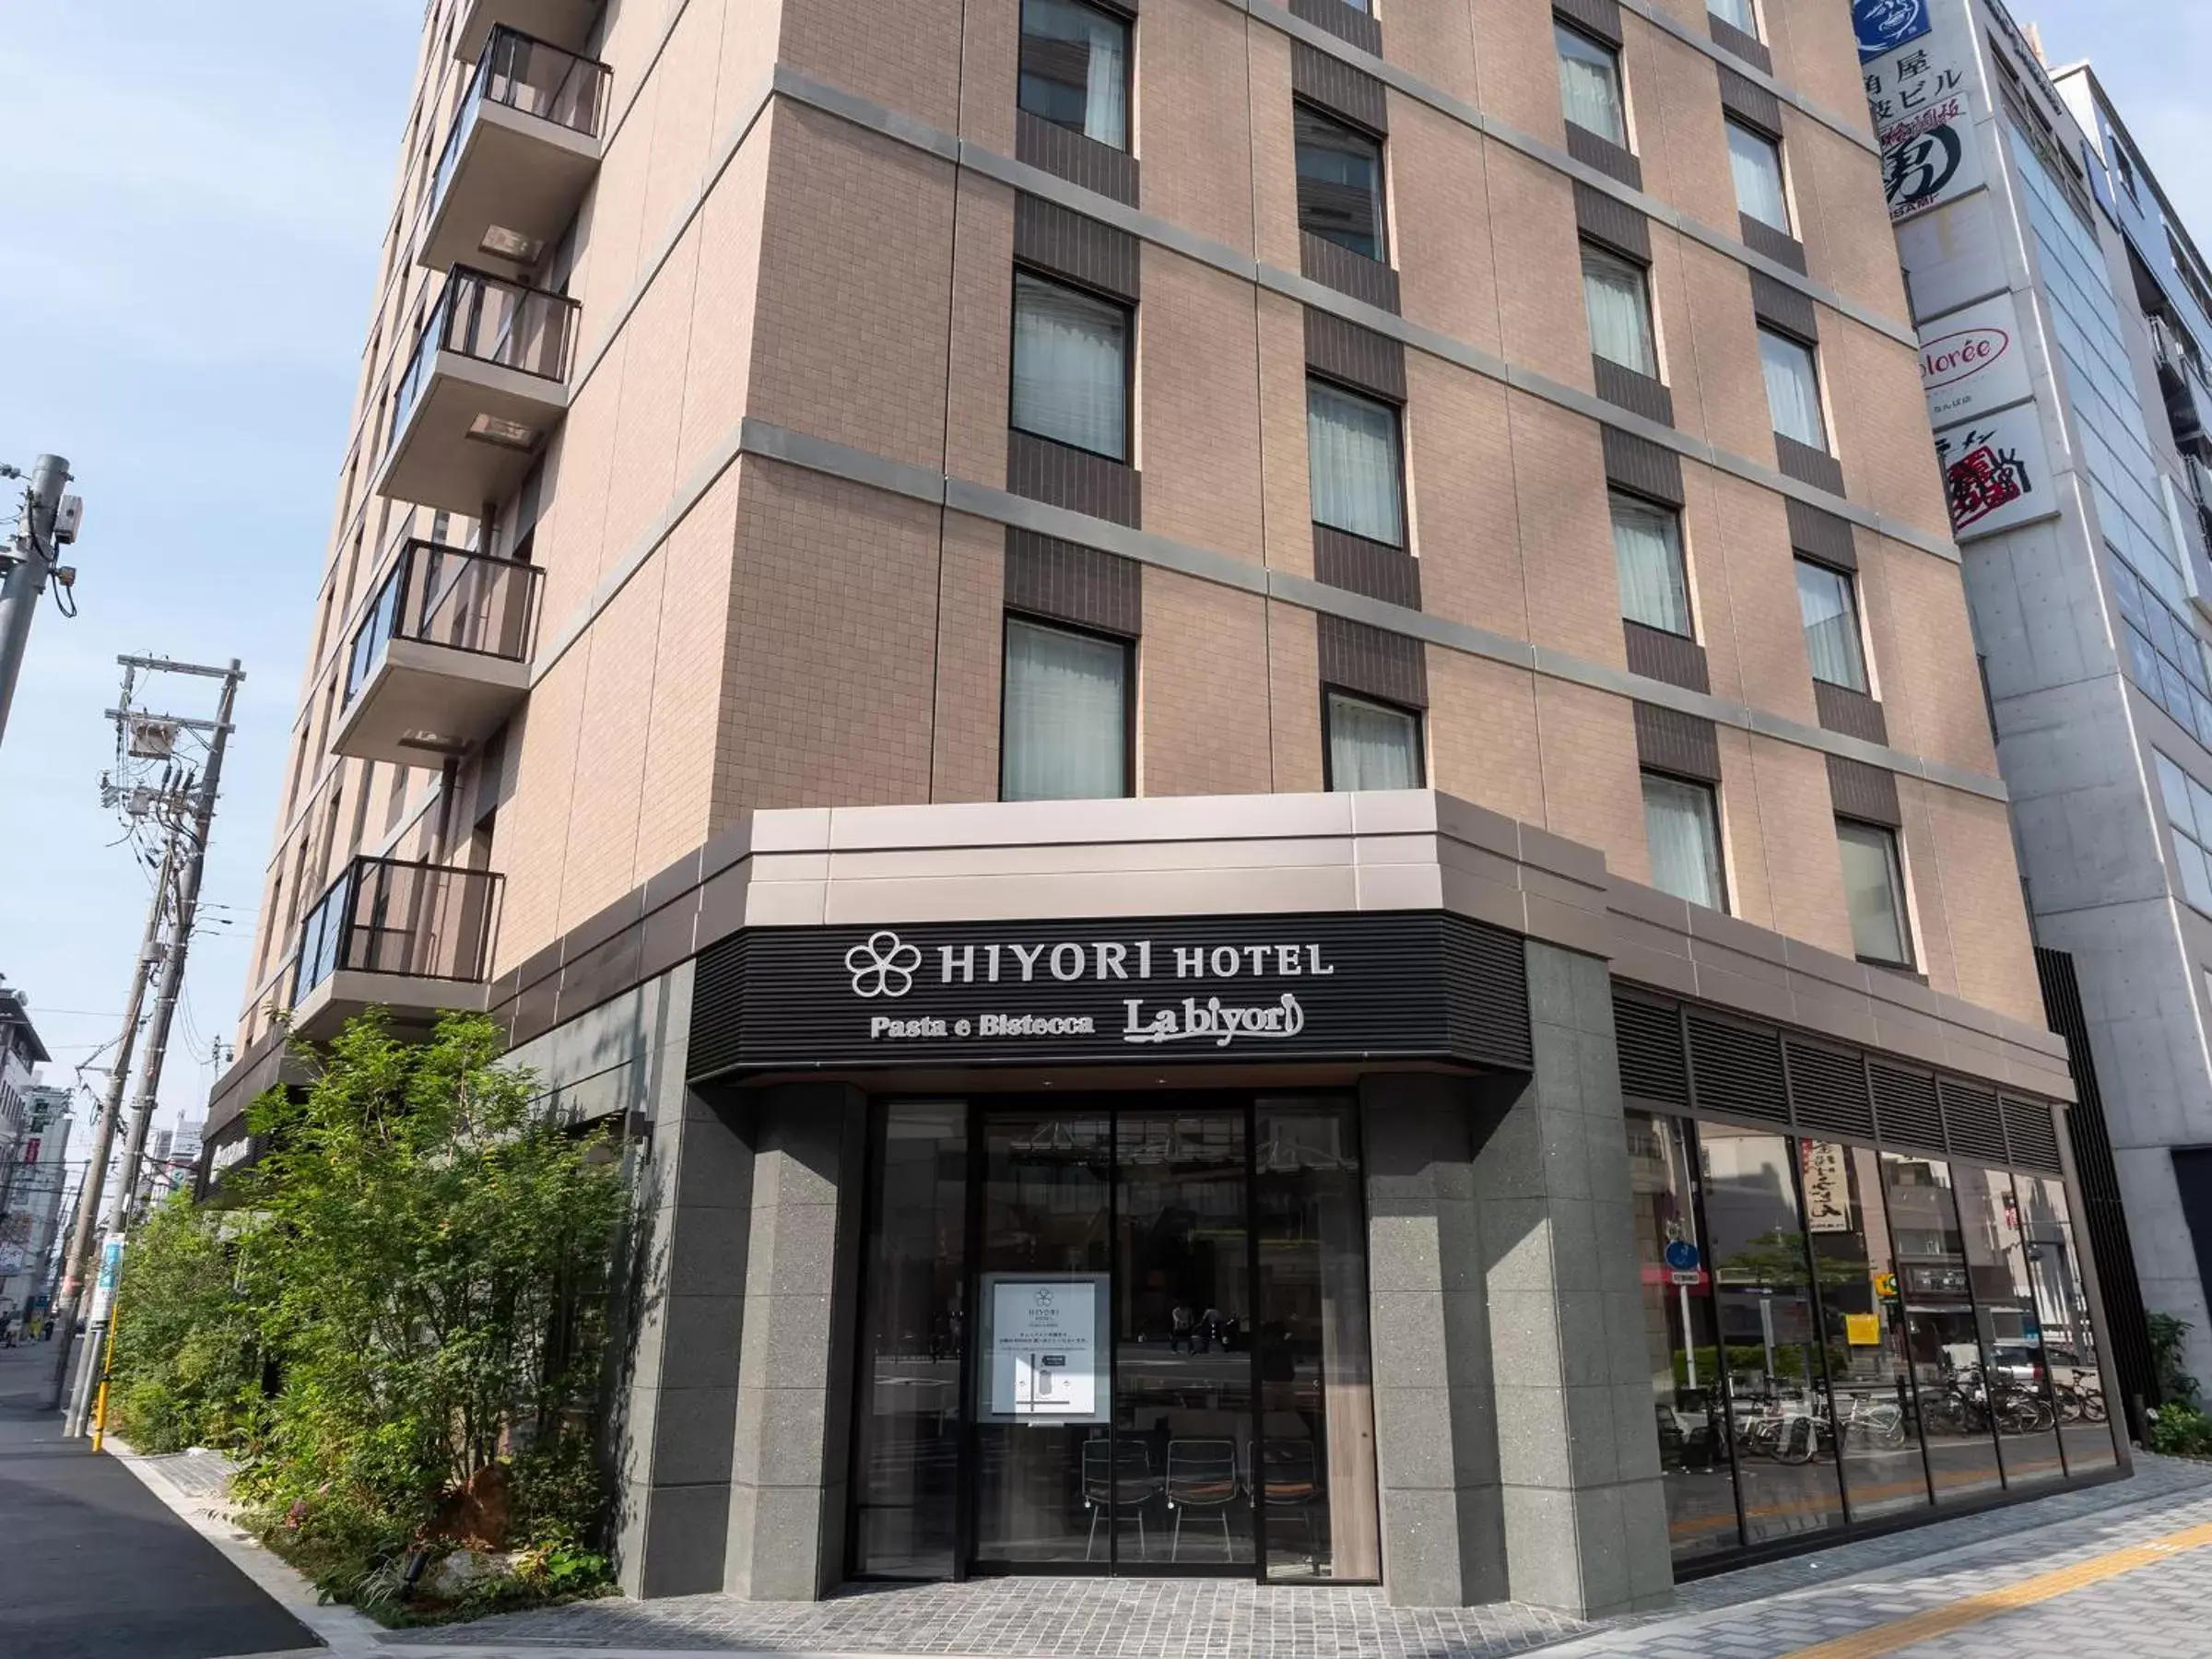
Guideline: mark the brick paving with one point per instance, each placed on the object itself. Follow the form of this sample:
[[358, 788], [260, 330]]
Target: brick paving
[[1111, 1619], [2162, 1611]]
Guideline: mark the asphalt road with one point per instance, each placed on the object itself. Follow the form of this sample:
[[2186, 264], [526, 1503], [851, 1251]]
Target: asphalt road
[[95, 1568]]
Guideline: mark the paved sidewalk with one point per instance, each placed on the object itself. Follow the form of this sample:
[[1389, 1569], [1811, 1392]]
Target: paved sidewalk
[[1755, 1613], [2126, 1567]]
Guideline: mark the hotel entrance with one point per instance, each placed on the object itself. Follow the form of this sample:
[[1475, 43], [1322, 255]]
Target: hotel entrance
[[1115, 1334]]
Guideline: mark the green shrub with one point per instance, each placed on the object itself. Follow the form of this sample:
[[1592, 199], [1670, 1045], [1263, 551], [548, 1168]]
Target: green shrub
[[2181, 1430], [420, 1259], [186, 1368], [2168, 1336]]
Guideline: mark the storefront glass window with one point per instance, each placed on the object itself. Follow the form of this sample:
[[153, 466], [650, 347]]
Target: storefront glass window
[[2062, 1311], [1775, 1357], [1940, 1332], [911, 1337], [2015, 1384], [1687, 1391], [1870, 1385], [1316, 1466]]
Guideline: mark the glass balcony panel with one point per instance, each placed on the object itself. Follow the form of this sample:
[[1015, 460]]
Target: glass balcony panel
[[530, 76], [389, 916]]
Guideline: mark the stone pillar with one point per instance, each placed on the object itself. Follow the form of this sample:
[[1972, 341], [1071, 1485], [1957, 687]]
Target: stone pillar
[[801, 1266], [1436, 1452], [1578, 1450], [674, 1396]]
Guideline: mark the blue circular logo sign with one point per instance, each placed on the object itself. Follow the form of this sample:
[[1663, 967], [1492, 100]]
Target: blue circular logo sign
[[1682, 1255]]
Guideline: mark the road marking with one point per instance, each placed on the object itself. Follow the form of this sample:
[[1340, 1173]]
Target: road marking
[[1902, 1633]]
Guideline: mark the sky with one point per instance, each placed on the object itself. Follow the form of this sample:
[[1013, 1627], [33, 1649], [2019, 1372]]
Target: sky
[[194, 196]]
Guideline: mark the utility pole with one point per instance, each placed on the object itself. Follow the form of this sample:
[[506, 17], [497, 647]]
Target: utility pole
[[78, 1261], [49, 523], [172, 961], [184, 855]]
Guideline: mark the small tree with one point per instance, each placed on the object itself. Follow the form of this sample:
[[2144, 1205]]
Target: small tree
[[187, 1364], [428, 1262]]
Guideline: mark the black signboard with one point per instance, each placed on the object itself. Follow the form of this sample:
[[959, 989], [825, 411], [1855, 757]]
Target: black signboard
[[1239, 989]]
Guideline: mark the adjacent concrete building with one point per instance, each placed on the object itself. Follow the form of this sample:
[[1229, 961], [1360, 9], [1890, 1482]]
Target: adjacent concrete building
[[31, 1226], [2065, 313], [1245, 744]]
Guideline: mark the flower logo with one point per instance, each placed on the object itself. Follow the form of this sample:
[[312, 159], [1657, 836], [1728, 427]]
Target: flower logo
[[882, 967]]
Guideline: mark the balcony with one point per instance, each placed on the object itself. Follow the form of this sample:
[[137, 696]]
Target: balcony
[[488, 381], [441, 658], [519, 156], [415, 939], [2188, 398], [566, 23]]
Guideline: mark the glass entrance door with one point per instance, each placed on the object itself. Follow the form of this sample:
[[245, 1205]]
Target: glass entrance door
[[1155, 1306], [1183, 1340]]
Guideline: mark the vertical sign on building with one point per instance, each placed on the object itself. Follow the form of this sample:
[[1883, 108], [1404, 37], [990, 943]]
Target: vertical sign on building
[[1922, 88]]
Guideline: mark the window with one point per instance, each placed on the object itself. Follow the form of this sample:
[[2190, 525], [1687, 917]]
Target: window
[[1831, 626], [1618, 301], [1352, 451], [1792, 388], [1647, 549], [1590, 86], [1071, 367], [1372, 744], [1074, 69], [1339, 184], [1681, 827], [2164, 658], [1065, 726], [1756, 159], [1736, 14], [2189, 810], [1874, 888]]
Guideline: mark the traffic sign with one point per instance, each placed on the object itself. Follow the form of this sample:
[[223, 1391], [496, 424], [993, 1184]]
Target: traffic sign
[[1681, 1255]]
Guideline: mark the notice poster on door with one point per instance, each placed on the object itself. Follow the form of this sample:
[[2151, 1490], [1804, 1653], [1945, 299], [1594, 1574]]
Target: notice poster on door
[[1045, 1350]]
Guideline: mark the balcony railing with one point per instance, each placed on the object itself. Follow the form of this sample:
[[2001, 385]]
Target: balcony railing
[[448, 596], [480, 316], [416, 920], [526, 74]]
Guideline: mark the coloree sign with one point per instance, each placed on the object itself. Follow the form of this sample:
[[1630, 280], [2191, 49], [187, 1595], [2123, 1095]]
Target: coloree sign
[[1409, 984], [1972, 362]]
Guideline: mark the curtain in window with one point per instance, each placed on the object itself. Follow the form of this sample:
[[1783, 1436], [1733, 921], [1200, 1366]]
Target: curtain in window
[[1371, 746], [1647, 547], [1793, 389], [1684, 840], [1065, 724], [1873, 893], [1756, 162], [1620, 311], [1590, 86], [1831, 626], [1074, 68], [1070, 376], [1736, 13], [1352, 449]]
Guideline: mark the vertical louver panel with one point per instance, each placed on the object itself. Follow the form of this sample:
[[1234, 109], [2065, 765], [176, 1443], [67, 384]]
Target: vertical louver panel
[[1974, 1131], [1905, 1110], [2033, 1136], [1737, 1072], [1654, 1065], [1829, 1090]]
